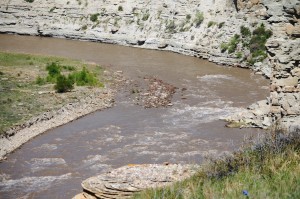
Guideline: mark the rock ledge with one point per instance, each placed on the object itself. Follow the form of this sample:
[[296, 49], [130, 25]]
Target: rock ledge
[[125, 181]]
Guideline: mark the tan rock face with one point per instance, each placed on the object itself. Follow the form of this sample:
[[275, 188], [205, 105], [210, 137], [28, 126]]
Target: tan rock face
[[289, 28], [242, 4], [125, 181]]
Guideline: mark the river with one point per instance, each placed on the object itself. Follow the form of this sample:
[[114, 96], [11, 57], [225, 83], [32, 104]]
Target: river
[[53, 164]]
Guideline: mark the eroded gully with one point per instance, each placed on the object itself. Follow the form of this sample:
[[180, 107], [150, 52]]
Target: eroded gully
[[54, 164]]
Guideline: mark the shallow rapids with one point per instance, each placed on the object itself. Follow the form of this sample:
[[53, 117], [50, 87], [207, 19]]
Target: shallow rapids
[[54, 164]]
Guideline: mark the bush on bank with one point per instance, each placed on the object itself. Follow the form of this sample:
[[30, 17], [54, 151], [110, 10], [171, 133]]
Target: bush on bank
[[25, 92], [254, 41], [267, 169], [66, 83]]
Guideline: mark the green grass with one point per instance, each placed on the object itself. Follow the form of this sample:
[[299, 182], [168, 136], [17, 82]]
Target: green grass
[[211, 23], [170, 26], [269, 169], [232, 45], [94, 17], [24, 91], [146, 16], [199, 18], [26, 60], [220, 25]]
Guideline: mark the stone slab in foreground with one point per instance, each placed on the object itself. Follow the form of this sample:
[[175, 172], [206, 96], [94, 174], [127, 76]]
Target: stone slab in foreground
[[125, 181]]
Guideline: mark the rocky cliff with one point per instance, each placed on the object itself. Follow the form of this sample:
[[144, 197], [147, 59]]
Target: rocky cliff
[[210, 29]]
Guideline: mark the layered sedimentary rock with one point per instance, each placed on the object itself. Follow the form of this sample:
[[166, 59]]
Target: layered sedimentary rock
[[283, 49], [166, 25], [128, 180], [196, 28]]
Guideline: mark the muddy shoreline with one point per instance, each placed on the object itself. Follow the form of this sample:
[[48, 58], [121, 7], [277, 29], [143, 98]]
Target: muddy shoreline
[[19, 135]]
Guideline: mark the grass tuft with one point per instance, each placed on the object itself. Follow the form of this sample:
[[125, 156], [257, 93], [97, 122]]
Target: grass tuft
[[199, 18]]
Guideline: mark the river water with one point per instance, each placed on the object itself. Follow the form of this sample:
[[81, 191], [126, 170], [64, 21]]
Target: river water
[[54, 164]]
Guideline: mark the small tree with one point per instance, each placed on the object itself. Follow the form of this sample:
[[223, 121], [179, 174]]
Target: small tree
[[53, 71], [64, 84]]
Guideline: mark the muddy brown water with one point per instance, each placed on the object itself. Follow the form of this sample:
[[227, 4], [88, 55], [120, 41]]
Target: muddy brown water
[[53, 164]]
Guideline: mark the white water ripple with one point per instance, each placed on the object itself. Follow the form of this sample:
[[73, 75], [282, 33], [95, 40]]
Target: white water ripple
[[189, 115], [28, 184], [215, 77]]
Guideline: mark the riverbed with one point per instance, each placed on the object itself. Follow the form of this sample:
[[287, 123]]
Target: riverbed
[[53, 164]]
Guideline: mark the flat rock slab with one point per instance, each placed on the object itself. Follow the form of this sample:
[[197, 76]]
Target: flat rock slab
[[125, 181]]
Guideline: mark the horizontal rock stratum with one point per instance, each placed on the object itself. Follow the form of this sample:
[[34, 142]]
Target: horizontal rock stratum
[[195, 28], [187, 27], [125, 181]]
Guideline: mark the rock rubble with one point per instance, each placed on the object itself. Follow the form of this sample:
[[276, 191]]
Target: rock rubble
[[157, 94]]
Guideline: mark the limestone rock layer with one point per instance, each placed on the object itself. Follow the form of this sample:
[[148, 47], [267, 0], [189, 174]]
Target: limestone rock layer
[[125, 181]]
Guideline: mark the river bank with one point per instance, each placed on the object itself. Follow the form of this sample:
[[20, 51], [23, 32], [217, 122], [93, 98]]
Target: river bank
[[134, 131], [29, 109], [211, 30]]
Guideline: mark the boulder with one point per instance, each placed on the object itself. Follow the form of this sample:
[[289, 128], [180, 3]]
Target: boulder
[[125, 181]]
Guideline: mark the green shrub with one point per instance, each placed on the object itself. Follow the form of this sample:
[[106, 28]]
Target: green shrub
[[1, 73], [84, 78], [188, 17], [171, 26], [232, 45], [245, 32], [52, 9], [64, 84], [224, 47], [79, 2], [84, 27], [254, 41], [40, 81], [94, 17], [54, 70], [146, 16], [29, 1], [211, 23], [257, 43], [120, 8], [198, 18], [221, 25], [69, 68], [239, 55]]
